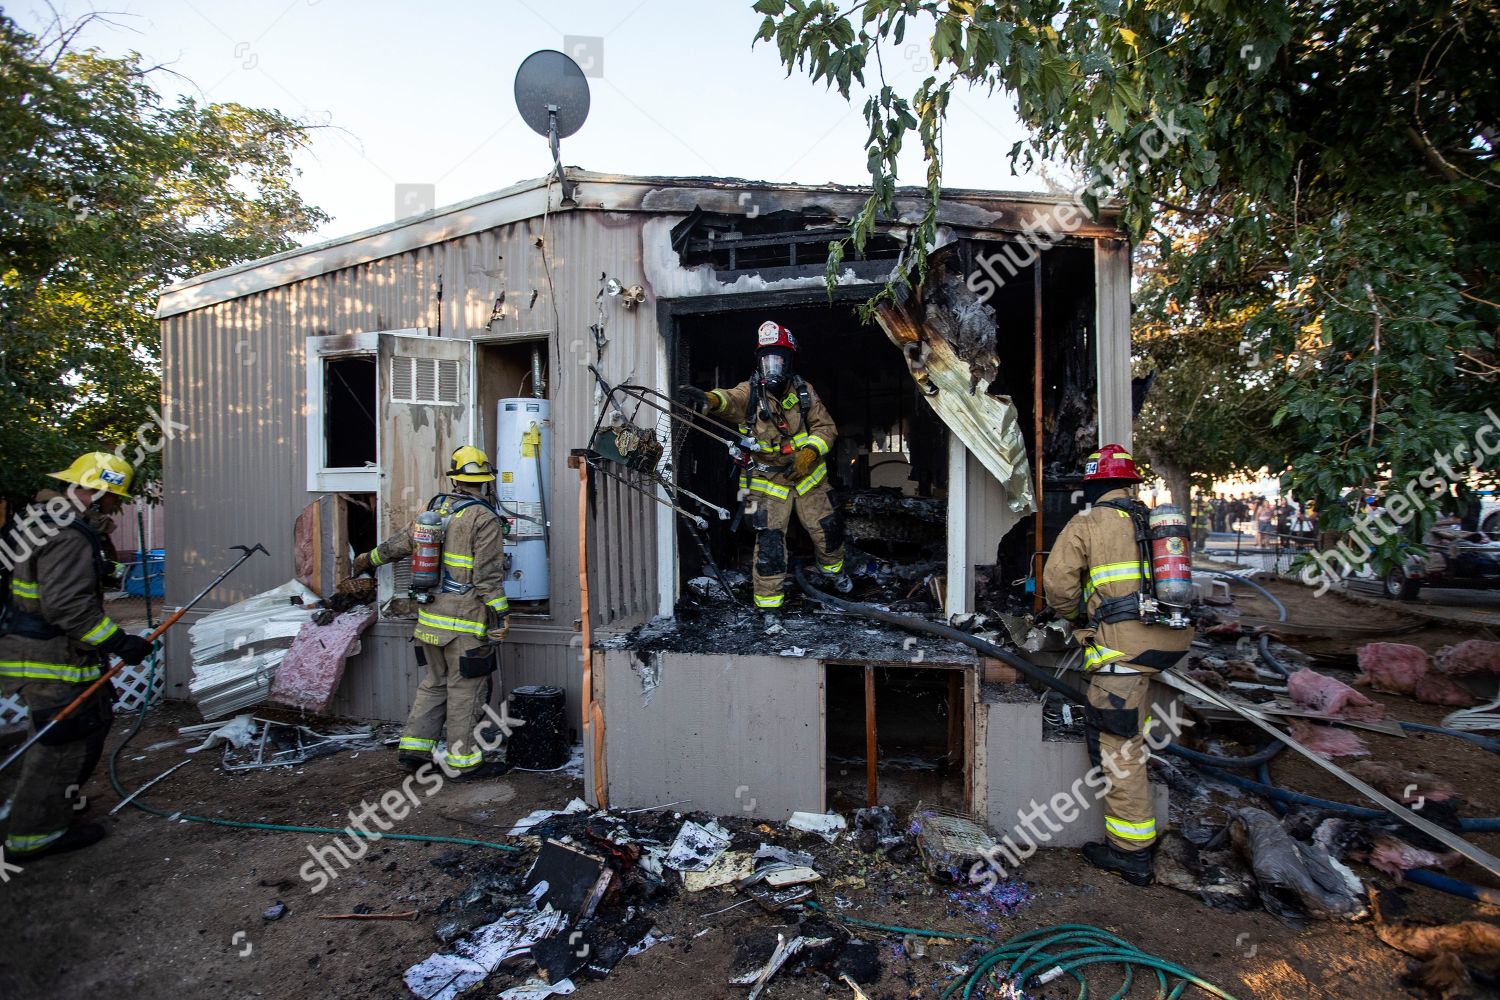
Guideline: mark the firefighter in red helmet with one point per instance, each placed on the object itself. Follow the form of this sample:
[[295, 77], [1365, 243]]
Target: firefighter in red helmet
[[1093, 578], [784, 469]]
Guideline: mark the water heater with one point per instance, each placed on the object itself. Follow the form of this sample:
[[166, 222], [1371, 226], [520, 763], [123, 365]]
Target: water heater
[[523, 459]]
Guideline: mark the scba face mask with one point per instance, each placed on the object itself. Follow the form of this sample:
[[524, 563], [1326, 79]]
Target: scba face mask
[[774, 370]]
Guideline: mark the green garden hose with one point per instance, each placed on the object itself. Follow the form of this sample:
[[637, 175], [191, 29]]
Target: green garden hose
[[114, 779], [1029, 958]]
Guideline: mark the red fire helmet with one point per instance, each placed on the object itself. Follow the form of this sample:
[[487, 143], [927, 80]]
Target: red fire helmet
[[1110, 462], [773, 334]]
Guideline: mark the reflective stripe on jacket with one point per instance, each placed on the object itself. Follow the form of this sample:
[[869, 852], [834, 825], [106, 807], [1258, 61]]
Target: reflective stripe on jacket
[[817, 431], [58, 581], [473, 558], [1096, 558]]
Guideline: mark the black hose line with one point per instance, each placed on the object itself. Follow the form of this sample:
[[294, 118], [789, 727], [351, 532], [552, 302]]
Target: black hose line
[[912, 623], [1272, 661]]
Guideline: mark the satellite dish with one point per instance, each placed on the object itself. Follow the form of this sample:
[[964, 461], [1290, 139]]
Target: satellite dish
[[552, 93], [552, 96]]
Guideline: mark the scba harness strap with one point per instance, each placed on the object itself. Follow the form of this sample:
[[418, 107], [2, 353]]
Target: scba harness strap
[[1113, 610], [14, 621]]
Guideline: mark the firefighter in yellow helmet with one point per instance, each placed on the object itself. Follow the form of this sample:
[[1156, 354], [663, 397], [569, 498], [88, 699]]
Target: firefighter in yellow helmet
[[459, 624], [1093, 578], [785, 469], [54, 640]]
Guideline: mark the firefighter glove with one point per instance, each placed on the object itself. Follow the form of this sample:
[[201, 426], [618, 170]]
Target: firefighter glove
[[130, 648], [499, 632], [804, 461], [361, 564], [692, 395]]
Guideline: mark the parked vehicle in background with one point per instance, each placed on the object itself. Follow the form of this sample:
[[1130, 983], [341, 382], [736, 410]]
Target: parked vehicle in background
[[1455, 558]]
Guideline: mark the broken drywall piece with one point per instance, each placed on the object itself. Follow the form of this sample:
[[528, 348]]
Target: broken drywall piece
[[536, 989], [730, 867], [697, 847], [443, 977], [826, 825], [312, 668], [793, 651]]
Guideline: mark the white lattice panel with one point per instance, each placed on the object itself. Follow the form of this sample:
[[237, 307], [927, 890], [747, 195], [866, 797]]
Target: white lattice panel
[[130, 685], [130, 690], [11, 710]]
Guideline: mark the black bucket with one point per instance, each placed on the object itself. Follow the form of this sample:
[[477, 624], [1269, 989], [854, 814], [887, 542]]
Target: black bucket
[[542, 743]]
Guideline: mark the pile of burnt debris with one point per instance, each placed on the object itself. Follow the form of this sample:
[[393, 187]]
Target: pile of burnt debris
[[716, 627], [592, 888]]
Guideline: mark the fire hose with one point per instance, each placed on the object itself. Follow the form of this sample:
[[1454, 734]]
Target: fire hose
[[914, 624], [119, 665]]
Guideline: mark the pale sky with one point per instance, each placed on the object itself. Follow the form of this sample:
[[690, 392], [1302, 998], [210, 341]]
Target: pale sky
[[420, 94]]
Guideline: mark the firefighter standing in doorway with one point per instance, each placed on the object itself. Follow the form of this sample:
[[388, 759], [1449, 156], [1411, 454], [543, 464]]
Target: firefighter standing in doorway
[[1094, 579], [783, 468], [55, 642], [460, 623]]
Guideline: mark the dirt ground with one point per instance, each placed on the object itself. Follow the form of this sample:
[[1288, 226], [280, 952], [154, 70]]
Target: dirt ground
[[174, 909]]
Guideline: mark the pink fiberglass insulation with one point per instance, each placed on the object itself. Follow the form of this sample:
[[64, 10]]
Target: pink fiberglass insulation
[[1474, 656], [1323, 694], [1392, 667], [1435, 689], [310, 673], [1394, 857], [1328, 741]]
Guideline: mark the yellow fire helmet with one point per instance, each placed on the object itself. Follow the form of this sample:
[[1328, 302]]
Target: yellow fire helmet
[[470, 465], [99, 470]]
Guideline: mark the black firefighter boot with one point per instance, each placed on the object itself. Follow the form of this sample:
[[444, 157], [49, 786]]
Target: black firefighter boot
[[1134, 867]]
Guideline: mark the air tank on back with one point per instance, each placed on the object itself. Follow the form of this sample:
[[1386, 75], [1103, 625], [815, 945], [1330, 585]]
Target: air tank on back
[[1172, 562], [523, 458]]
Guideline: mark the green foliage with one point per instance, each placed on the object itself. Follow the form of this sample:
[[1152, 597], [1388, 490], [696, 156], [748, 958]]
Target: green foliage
[[106, 196], [1316, 180]]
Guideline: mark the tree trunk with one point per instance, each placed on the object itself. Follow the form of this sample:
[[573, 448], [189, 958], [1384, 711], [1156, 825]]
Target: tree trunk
[[1179, 479]]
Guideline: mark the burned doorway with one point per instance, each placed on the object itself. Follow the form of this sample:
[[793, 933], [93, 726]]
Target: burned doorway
[[888, 467], [896, 735]]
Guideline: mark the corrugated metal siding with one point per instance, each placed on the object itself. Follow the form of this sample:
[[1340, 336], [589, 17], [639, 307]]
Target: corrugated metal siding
[[234, 373]]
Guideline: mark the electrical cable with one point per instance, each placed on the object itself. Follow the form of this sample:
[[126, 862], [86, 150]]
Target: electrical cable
[[114, 780]]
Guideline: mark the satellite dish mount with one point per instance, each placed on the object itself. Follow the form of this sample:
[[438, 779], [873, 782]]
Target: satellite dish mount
[[552, 97]]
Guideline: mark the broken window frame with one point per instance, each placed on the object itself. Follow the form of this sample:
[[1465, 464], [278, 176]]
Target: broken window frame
[[322, 478]]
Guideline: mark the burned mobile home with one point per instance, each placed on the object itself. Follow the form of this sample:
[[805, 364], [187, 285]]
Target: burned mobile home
[[325, 387]]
